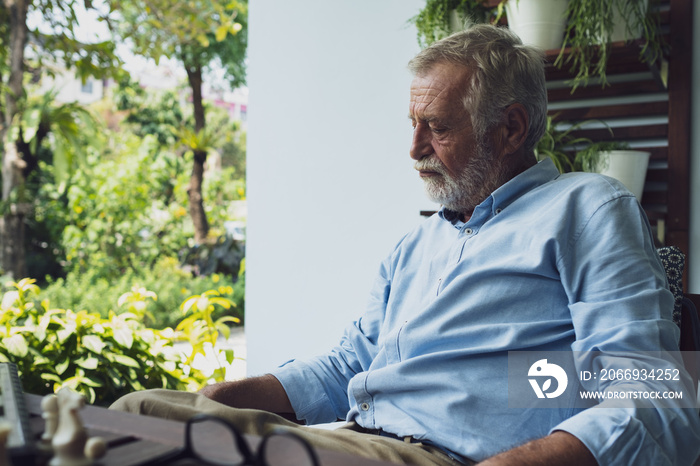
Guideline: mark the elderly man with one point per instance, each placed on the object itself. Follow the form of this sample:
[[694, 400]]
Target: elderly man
[[519, 258]]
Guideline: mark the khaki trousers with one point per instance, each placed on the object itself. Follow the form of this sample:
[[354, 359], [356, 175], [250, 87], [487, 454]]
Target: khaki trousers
[[350, 438]]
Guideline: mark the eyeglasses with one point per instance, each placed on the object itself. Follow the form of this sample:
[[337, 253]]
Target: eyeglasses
[[214, 441]]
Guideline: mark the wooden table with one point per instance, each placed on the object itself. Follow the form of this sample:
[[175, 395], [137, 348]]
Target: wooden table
[[138, 440]]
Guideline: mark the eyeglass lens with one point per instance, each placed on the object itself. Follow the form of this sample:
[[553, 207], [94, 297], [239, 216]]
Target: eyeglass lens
[[286, 450], [215, 442]]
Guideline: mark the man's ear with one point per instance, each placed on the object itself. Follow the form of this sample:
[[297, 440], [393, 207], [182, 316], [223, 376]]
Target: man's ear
[[514, 129]]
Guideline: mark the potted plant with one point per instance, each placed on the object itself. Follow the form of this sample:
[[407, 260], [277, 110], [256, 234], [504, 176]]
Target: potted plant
[[560, 145], [570, 152], [592, 25], [616, 160], [440, 18], [538, 22]]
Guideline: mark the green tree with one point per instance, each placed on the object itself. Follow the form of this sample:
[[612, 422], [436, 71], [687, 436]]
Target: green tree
[[18, 152], [200, 34], [70, 124], [14, 39], [150, 113]]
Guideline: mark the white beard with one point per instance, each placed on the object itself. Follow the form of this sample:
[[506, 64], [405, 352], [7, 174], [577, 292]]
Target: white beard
[[482, 175]]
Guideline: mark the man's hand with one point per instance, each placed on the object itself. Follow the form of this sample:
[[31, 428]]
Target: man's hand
[[264, 392], [559, 448]]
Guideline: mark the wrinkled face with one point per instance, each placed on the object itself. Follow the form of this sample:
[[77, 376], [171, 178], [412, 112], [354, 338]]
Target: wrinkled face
[[457, 168]]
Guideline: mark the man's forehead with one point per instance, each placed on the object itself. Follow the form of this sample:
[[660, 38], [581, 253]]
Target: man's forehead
[[443, 84], [442, 77]]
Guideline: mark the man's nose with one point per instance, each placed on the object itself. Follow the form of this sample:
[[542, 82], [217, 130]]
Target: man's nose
[[421, 143]]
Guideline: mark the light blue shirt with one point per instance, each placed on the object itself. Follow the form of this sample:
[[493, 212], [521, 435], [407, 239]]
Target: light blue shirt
[[548, 262]]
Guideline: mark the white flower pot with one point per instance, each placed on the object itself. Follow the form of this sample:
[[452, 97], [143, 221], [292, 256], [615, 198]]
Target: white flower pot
[[456, 21], [538, 22], [628, 166], [620, 32]]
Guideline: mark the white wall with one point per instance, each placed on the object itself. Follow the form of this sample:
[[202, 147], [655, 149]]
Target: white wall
[[331, 187]]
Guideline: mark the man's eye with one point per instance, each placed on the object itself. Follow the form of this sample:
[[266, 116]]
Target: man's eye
[[438, 129]]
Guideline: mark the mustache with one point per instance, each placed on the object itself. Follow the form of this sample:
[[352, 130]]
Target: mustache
[[430, 164]]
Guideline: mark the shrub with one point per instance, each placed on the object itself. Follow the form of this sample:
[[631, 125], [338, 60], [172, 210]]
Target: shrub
[[126, 210], [119, 210], [105, 358], [91, 290]]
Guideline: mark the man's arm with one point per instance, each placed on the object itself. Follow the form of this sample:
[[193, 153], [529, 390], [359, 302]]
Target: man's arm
[[558, 448], [264, 392]]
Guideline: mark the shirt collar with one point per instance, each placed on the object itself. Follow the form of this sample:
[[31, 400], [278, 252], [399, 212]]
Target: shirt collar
[[537, 175]]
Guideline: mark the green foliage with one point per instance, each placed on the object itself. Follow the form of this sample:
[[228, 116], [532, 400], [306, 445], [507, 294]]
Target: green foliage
[[73, 128], [154, 113], [57, 41], [203, 329], [589, 158], [229, 145], [123, 221], [221, 256], [104, 358], [199, 33], [58, 44], [556, 144], [112, 216], [110, 228], [570, 152], [161, 115], [588, 35], [230, 50], [118, 216], [233, 154], [128, 94], [4, 38], [44, 228], [124, 212], [436, 20], [203, 140], [91, 290]]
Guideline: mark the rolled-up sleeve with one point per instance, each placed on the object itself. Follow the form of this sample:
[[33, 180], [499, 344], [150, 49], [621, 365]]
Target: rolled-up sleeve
[[318, 387], [618, 307]]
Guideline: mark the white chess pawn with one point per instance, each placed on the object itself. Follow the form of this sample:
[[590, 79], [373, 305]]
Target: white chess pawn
[[5, 429], [70, 442]]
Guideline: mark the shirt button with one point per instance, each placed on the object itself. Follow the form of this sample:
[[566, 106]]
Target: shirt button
[[364, 406], [468, 231], [498, 211]]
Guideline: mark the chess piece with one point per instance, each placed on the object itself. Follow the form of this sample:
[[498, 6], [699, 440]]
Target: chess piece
[[5, 428], [95, 447], [70, 442], [49, 412]]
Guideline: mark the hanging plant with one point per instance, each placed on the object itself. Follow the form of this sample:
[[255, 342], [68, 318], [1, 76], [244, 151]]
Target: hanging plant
[[440, 18], [591, 29]]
